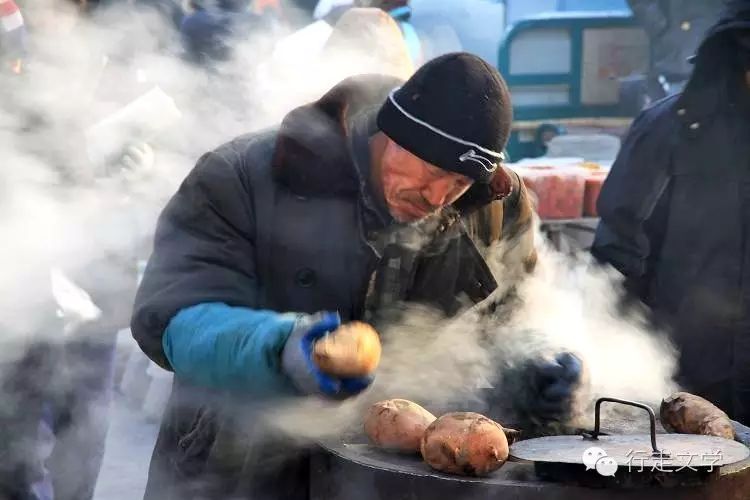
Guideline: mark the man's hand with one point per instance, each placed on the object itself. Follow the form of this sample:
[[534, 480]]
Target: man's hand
[[297, 359], [137, 158], [542, 391], [555, 382]]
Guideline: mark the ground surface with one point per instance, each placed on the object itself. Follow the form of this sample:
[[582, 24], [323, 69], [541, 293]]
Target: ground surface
[[129, 444]]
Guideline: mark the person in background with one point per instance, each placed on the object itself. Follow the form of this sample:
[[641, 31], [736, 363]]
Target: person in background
[[675, 28], [64, 384], [210, 32], [332, 10], [400, 11], [12, 38], [675, 215], [543, 134], [267, 7], [302, 11], [171, 11]]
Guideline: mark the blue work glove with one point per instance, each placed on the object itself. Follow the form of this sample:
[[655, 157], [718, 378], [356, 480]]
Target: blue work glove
[[546, 389], [297, 359]]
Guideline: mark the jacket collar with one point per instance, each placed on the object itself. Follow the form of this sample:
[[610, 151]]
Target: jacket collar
[[321, 150], [363, 127], [699, 105], [313, 156]]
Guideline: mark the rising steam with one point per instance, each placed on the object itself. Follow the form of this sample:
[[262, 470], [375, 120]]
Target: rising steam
[[567, 304]]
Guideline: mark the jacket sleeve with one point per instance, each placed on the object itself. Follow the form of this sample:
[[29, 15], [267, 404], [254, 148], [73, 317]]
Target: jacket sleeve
[[218, 346], [634, 201], [204, 252]]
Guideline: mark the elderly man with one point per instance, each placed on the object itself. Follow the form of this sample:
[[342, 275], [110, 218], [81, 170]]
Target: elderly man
[[345, 207], [399, 10], [675, 215], [12, 37]]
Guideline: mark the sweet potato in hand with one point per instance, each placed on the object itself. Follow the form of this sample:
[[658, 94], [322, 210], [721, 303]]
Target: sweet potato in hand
[[465, 443], [687, 413], [397, 425], [352, 350]]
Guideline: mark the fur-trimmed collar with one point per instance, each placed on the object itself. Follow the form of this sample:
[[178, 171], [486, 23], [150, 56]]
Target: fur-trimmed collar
[[312, 154]]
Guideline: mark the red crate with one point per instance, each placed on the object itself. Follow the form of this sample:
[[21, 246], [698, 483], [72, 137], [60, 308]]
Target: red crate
[[559, 191], [594, 182]]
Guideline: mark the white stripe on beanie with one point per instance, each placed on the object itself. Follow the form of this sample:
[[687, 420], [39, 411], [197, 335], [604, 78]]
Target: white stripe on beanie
[[469, 155]]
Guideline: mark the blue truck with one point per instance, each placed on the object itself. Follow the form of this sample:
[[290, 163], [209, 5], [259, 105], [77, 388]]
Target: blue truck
[[564, 60], [567, 72]]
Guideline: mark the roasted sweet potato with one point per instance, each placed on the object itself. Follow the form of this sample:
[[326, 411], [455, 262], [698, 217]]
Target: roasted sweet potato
[[465, 443], [353, 350], [397, 425], [687, 413]]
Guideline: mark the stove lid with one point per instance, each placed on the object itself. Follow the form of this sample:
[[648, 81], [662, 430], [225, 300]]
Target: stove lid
[[674, 451], [606, 453]]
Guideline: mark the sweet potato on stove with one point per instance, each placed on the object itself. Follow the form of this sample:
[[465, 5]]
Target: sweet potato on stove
[[353, 350], [687, 413], [397, 425], [465, 443]]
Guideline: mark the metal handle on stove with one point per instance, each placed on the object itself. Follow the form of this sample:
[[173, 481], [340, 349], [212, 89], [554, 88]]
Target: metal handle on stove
[[651, 416]]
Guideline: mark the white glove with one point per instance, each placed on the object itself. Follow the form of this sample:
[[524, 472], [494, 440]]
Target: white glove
[[138, 158]]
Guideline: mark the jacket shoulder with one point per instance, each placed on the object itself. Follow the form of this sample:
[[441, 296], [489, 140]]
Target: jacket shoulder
[[249, 155], [651, 131], [214, 205], [661, 112], [643, 157], [248, 149]]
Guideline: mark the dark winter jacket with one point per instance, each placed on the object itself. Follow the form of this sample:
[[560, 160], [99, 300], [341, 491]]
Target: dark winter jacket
[[282, 220], [675, 219], [209, 34]]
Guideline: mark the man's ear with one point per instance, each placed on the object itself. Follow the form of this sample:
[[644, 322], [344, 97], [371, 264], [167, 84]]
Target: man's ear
[[473, 199], [502, 183], [480, 194]]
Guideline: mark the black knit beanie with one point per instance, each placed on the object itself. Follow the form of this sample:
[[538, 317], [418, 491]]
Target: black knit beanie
[[454, 112]]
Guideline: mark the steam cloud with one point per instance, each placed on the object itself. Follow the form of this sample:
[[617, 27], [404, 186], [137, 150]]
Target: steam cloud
[[96, 87], [567, 304]]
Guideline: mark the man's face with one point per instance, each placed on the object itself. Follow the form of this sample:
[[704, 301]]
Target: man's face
[[413, 188]]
